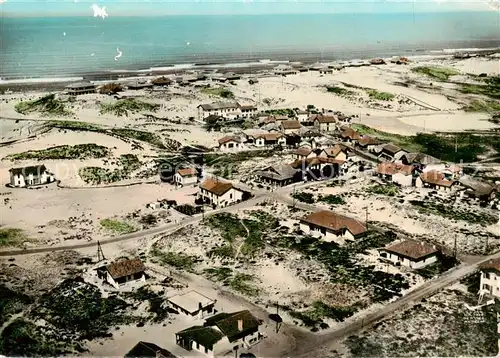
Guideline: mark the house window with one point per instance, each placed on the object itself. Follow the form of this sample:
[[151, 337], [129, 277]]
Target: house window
[[231, 196], [489, 276]]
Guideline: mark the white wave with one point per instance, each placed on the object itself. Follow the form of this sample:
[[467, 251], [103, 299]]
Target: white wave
[[40, 80]]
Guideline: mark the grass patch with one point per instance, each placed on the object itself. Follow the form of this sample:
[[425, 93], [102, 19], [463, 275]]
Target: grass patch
[[223, 252], [304, 197], [387, 190], [142, 136], [379, 96], [79, 151], [10, 237], [11, 302], [318, 311], [98, 175], [482, 106], [289, 112], [123, 107], [340, 91], [402, 141], [489, 88], [242, 283], [178, 260], [219, 274], [332, 199], [156, 309], [218, 92], [436, 72], [229, 226], [116, 226], [46, 106], [450, 212]]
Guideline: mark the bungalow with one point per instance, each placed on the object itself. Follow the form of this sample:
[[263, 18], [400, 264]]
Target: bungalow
[[148, 350], [75, 89], [290, 126], [304, 152], [332, 226], [424, 161], [122, 271], [435, 180], [302, 115], [29, 176], [391, 152], [317, 168], [278, 175], [273, 139], [337, 152], [490, 277], [283, 70], [410, 253], [349, 135], [230, 143], [218, 108], [219, 193], [325, 123], [192, 304], [367, 143], [221, 333], [477, 189], [396, 173], [186, 176]]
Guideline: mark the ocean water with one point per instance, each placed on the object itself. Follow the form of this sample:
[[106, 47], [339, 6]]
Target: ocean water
[[69, 46]]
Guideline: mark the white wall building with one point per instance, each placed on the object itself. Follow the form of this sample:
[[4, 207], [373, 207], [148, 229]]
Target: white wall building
[[29, 176], [186, 176], [219, 193], [410, 253], [490, 277]]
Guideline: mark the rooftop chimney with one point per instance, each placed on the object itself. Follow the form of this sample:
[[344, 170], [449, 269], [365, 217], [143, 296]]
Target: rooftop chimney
[[240, 325]]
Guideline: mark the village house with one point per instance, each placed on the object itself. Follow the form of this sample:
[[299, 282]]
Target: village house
[[337, 152], [162, 81], [396, 173], [326, 123], [186, 176], [218, 193], [223, 109], [277, 175], [148, 350], [75, 89], [391, 152], [120, 272], [349, 135], [138, 85], [302, 115], [305, 152], [30, 176], [290, 126], [476, 189], [248, 111], [490, 277], [272, 139], [283, 70], [367, 143], [410, 253], [325, 70], [221, 334], [317, 168], [230, 143], [192, 304], [434, 180], [332, 226], [424, 162]]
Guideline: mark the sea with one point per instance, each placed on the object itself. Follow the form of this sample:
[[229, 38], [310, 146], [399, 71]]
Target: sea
[[59, 47]]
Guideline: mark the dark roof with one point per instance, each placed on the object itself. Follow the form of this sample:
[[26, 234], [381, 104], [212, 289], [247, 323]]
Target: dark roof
[[420, 158], [219, 105], [206, 336], [278, 172], [147, 350], [216, 187], [391, 148], [291, 124], [480, 188], [412, 249], [493, 264], [79, 85], [326, 119], [228, 139], [229, 324], [125, 268], [334, 221], [33, 169], [367, 140]]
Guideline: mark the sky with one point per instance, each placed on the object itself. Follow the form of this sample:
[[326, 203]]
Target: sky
[[228, 7]]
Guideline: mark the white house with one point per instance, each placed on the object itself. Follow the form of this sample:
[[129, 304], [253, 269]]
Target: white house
[[230, 143], [304, 153], [336, 152], [325, 123], [283, 70], [122, 271], [302, 116], [396, 173], [332, 226], [248, 111], [222, 333], [192, 304], [490, 277], [434, 180], [28, 176], [290, 126], [367, 143], [223, 109], [410, 253], [186, 176], [391, 152], [219, 193]]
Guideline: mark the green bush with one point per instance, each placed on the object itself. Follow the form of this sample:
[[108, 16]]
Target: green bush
[[79, 151], [47, 106], [117, 226], [436, 72], [12, 237], [304, 197], [122, 107]]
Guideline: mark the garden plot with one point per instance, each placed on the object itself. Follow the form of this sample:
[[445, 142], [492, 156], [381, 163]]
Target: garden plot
[[259, 253]]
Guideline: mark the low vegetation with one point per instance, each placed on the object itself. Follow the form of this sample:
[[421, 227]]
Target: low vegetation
[[142, 136], [304, 197], [11, 302], [218, 92], [436, 72], [111, 88], [79, 151], [340, 91], [242, 283], [177, 260], [387, 190], [332, 199], [11, 237], [289, 112], [124, 107], [489, 87], [117, 227], [482, 106], [313, 316], [46, 106], [97, 175], [379, 96]]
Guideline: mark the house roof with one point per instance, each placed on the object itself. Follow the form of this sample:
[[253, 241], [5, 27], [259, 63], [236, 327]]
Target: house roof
[[278, 172], [300, 163], [335, 150], [249, 107], [161, 81], [191, 300], [387, 168], [493, 264], [229, 324], [436, 178], [303, 151], [148, 350], [271, 136], [301, 111], [206, 336], [78, 85], [326, 119], [187, 172], [228, 139], [350, 133], [124, 268], [334, 221], [291, 124], [391, 148], [32, 169], [412, 249], [479, 187], [367, 140], [421, 158], [216, 187], [219, 105]]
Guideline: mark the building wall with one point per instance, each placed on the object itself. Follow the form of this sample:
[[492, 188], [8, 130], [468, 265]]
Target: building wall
[[227, 146], [188, 180], [327, 235], [401, 179], [232, 196], [490, 281], [410, 263], [260, 142], [21, 181]]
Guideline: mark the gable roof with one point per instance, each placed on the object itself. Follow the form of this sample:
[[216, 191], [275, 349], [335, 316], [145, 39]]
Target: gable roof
[[230, 138], [291, 124], [271, 136], [206, 336], [391, 148], [479, 187], [420, 158], [124, 268], [187, 172], [334, 221], [367, 140], [305, 162], [387, 168], [436, 178], [32, 169], [278, 172], [335, 150], [148, 350], [350, 133], [229, 324], [412, 249], [216, 187], [303, 151], [219, 105], [493, 264], [326, 119]]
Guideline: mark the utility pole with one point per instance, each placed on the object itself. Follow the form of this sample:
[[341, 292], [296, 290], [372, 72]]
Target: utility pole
[[277, 315], [100, 253], [366, 217], [294, 200], [455, 246]]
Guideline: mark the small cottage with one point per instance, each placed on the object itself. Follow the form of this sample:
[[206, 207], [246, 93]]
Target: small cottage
[[148, 350], [223, 109], [283, 70], [395, 173], [410, 253], [349, 135], [277, 175], [218, 193], [75, 89], [230, 143], [186, 176], [290, 126], [490, 277], [476, 189], [325, 123], [30, 176], [368, 143], [332, 226], [122, 271], [337, 152], [302, 115], [192, 304], [305, 152], [434, 180], [391, 152]]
